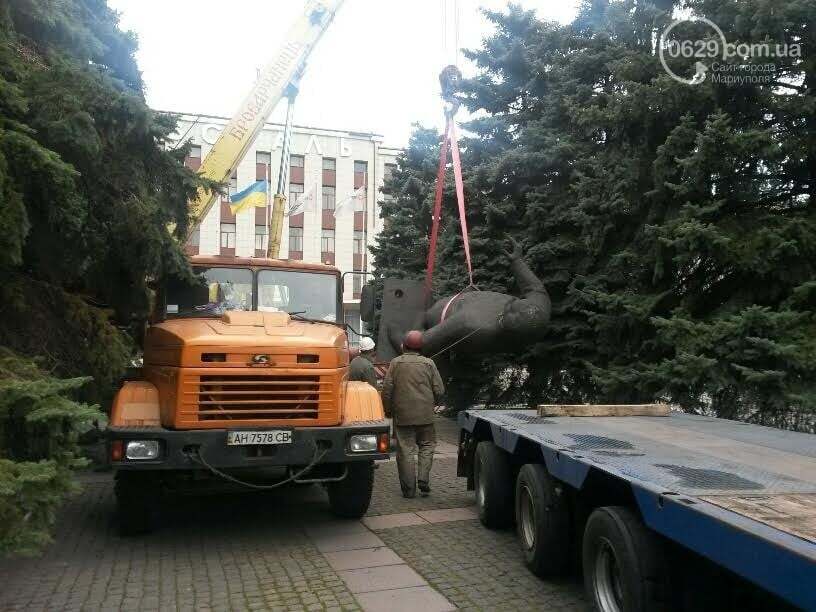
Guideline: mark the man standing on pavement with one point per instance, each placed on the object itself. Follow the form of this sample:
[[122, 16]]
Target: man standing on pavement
[[361, 367], [411, 389]]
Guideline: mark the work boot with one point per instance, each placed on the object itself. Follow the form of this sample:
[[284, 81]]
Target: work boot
[[424, 488]]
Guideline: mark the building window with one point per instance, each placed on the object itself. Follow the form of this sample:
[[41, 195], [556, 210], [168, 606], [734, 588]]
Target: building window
[[195, 237], [296, 161], [228, 235], [233, 184], [260, 237], [388, 176], [295, 191], [327, 241], [361, 166], [329, 197], [360, 200], [195, 151], [357, 283], [359, 243], [329, 163], [296, 239], [263, 157]]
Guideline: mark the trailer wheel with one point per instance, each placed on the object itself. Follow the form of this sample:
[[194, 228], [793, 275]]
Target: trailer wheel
[[542, 521], [624, 566], [493, 480], [350, 497], [138, 502]]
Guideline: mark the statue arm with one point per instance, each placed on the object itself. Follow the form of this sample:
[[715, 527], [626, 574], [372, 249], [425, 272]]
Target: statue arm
[[530, 285], [532, 289], [527, 281]]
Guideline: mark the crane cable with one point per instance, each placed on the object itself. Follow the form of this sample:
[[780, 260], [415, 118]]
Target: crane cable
[[449, 80], [447, 36], [456, 33]]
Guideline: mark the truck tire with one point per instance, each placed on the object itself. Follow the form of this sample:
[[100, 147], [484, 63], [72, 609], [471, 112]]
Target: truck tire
[[624, 563], [350, 497], [138, 502], [542, 521], [493, 481]]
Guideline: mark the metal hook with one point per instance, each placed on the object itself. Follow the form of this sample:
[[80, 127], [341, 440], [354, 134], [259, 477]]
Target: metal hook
[[450, 80]]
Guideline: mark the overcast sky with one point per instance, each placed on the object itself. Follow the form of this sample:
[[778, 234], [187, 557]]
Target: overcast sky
[[375, 70]]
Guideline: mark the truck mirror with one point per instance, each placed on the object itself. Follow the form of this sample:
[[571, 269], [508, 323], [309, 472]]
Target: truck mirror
[[367, 303]]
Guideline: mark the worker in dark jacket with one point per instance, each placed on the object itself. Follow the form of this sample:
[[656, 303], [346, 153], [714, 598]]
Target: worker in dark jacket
[[361, 367], [411, 389]]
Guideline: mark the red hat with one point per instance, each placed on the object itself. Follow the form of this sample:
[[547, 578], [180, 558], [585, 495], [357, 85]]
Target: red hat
[[413, 340]]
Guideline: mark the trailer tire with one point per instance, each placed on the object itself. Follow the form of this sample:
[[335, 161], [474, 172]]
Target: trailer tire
[[624, 563], [542, 521], [350, 497], [138, 502], [493, 481]]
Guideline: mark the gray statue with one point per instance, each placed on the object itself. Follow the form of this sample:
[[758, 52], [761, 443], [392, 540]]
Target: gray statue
[[487, 321]]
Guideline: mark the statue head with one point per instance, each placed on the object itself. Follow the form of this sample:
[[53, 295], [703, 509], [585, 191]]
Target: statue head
[[525, 319]]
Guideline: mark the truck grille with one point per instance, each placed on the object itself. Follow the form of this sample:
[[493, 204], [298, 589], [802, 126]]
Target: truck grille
[[257, 397]]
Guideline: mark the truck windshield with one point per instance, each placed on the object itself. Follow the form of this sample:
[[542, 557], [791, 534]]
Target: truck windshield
[[313, 296], [215, 291]]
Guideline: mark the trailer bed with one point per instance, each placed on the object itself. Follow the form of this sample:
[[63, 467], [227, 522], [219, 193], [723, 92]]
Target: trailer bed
[[740, 494]]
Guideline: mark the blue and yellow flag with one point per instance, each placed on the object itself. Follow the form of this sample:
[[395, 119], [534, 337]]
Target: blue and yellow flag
[[252, 196]]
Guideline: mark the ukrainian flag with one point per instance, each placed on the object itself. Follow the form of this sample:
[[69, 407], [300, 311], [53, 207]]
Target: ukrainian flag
[[252, 196]]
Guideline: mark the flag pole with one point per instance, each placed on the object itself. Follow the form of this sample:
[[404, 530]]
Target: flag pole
[[268, 193]]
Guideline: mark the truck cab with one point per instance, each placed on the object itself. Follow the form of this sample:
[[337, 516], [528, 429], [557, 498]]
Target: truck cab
[[245, 383]]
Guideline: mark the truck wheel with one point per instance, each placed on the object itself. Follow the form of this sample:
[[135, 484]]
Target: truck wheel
[[138, 502], [624, 563], [350, 497], [493, 481], [542, 521]]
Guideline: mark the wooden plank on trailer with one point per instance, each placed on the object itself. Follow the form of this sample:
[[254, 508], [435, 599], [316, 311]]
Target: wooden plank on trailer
[[603, 410], [792, 513]]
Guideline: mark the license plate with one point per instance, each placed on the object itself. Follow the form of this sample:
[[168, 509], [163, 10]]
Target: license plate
[[245, 438]]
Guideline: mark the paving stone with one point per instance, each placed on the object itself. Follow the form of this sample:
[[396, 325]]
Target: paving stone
[[188, 564], [449, 514], [351, 541], [476, 563], [405, 600], [258, 551], [381, 578], [366, 557], [334, 528], [448, 491], [389, 521]]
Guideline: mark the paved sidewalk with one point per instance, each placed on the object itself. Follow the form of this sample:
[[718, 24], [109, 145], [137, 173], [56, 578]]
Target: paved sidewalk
[[283, 551]]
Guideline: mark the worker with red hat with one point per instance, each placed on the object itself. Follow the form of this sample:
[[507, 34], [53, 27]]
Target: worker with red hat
[[410, 391]]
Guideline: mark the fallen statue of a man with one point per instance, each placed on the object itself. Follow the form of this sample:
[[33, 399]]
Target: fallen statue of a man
[[476, 321]]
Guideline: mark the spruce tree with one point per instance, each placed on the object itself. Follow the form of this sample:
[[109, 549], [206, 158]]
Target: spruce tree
[[672, 224], [88, 188], [87, 193]]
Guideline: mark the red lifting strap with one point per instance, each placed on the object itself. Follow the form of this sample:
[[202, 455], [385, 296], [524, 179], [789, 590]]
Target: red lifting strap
[[449, 141]]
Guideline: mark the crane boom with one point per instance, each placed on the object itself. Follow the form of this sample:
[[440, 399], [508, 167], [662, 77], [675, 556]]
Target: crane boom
[[239, 134]]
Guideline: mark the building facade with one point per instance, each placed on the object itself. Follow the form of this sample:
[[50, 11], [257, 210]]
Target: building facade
[[336, 174]]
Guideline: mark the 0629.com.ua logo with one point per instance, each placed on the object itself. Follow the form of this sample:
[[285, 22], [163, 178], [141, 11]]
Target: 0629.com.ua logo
[[726, 62]]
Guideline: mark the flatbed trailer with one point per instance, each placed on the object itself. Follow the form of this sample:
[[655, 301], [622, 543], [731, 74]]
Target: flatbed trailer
[[622, 492]]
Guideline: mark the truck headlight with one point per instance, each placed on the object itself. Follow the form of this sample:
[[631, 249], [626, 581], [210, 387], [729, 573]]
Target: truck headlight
[[364, 443], [142, 449]]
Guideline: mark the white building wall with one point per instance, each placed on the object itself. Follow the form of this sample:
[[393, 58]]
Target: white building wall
[[314, 144]]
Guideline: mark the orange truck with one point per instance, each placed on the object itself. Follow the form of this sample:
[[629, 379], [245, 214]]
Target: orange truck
[[245, 382]]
